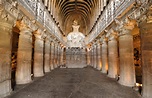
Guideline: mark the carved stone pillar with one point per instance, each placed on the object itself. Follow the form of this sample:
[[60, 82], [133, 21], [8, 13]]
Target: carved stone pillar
[[104, 56], [52, 56], [92, 56], [127, 69], [146, 53], [6, 24], [88, 56], [47, 55], [61, 56], [24, 54], [98, 56], [95, 56], [38, 54], [55, 55], [126, 53], [112, 56]]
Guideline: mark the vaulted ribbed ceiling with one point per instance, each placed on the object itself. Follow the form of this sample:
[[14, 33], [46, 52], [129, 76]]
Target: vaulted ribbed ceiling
[[84, 7], [86, 12]]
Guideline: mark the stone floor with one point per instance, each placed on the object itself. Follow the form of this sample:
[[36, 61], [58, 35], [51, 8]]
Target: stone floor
[[74, 83]]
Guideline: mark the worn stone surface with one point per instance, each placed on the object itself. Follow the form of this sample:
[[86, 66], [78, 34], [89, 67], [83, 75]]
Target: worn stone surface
[[55, 55], [92, 57], [76, 58], [5, 61], [95, 56], [104, 57], [24, 56], [99, 57], [127, 69], [47, 57], [112, 58], [146, 56], [52, 56], [74, 83], [38, 57]]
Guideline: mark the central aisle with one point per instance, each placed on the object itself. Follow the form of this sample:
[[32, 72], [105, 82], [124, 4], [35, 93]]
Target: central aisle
[[74, 83]]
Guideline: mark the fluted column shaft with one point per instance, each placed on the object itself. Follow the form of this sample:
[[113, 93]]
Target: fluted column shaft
[[47, 56], [104, 56], [38, 55], [127, 69], [112, 58]]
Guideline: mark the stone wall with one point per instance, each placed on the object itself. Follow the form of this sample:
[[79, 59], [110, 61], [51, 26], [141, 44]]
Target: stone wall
[[76, 58]]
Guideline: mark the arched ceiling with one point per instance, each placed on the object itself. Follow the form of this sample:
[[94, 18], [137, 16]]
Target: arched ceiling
[[67, 10], [68, 6]]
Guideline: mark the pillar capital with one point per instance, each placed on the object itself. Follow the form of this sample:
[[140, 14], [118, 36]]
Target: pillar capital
[[126, 26], [52, 43], [38, 34], [105, 40], [48, 39], [98, 43], [129, 23], [22, 23], [113, 35], [33, 26]]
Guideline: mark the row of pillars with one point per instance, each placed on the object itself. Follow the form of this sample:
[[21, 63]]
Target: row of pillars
[[114, 56], [33, 46], [47, 56]]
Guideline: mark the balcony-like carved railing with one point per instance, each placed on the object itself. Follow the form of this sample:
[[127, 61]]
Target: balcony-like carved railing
[[112, 11], [37, 9]]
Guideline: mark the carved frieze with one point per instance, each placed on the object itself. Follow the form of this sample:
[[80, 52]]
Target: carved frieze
[[149, 15], [126, 26]]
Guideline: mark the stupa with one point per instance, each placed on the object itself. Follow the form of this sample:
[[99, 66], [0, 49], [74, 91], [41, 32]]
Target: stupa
[[75, 38]]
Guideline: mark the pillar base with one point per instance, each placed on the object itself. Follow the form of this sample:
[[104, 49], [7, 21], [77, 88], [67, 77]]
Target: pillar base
[[55, 66], [47, 71], [98, 68], [126, 84], [105, 72], [5, 88], [38, 74], [23, 81], [52, 68], [111, 76]]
